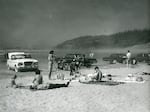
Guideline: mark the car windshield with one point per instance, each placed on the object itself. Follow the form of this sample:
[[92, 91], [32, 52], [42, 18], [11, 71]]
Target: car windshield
[[21, 56], [117, 55], [74, 56]]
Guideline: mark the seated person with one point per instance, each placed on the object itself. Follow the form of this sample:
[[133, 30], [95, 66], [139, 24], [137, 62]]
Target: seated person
[[38, 79], [96, 76], [38, 83]]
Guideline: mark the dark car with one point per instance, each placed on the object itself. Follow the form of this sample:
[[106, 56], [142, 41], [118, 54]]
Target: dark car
[[80, 59], [143, 57], [114, 58], [3, 57]]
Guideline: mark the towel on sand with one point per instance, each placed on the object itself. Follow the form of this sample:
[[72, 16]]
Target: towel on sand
[[130, 81]]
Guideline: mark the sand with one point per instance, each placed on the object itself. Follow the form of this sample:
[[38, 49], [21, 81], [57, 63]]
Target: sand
[[78, 97]]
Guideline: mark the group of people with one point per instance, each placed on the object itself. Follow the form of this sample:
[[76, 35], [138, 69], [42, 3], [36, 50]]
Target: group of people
[[38, 79], [38, 83], [74, 65]]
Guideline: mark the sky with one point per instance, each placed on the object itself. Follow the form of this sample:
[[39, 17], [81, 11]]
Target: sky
[[46, 23]]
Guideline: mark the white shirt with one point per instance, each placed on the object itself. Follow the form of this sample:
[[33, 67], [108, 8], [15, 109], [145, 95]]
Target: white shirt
[[128, 55], [50, 57]]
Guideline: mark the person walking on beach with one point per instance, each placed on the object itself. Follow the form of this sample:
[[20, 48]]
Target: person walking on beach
[[128, 55], [50, 62]]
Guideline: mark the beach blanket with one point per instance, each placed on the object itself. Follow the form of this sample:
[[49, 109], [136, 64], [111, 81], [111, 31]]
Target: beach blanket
[[110, 83], [131, 81]]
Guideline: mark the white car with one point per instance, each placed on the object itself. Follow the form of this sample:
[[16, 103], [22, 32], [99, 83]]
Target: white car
[[20, 61]]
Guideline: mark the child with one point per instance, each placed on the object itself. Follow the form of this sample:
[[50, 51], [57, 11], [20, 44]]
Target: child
[[13, 81]]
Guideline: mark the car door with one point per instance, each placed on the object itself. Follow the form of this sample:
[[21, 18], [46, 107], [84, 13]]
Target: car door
[[12, 62]]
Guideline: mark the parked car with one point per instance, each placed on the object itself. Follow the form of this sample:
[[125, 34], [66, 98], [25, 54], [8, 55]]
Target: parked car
[[143, 57], [116, 58], [2, 57], [64, 63], [148, 62], [21, 61]]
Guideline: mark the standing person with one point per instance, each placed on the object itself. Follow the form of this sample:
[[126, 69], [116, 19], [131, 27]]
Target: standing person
[[91, 55], [50, 62], [72, 67], [128, 55], [77, 63]]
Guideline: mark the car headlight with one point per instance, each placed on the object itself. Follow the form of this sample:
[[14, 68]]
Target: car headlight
[[35, 64], [20, 64]]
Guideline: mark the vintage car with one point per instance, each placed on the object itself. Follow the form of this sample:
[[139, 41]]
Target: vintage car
[[114, 58], [21, 61], [143, 57], [64, 62], [2, 57], [119, 58]]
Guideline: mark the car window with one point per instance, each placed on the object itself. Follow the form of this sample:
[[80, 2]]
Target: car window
[[27, 56], [20, 56], [13, 57]]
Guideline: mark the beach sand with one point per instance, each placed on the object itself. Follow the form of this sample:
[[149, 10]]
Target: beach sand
[[78, 97]]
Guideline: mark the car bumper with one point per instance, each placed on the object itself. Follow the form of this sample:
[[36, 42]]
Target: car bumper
[[27, 68]]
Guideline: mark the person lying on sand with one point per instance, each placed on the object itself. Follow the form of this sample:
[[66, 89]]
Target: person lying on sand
[[96, 76], [49, 86], [39, 85]]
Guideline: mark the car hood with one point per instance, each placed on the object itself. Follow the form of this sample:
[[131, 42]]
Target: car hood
[[26, 60]]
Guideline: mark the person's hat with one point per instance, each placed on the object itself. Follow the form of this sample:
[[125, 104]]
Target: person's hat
[[51, 52], [96, 67]]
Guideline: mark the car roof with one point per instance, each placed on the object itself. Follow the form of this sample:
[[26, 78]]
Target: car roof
[[75, 54], [13, 53], [118, 54]]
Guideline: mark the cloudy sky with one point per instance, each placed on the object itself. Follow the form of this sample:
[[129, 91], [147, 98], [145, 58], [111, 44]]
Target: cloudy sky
[[49, 22]]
